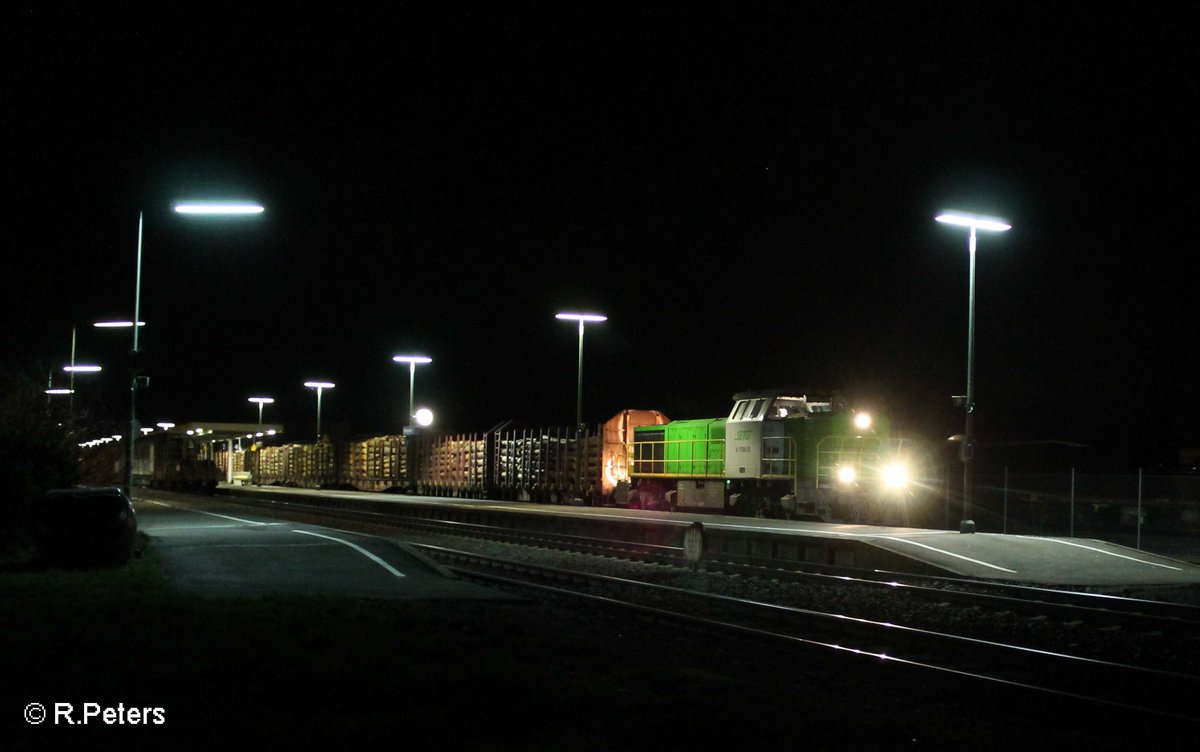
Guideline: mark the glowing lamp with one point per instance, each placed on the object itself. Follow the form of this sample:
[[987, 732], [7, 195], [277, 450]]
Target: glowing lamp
[[218, 207]]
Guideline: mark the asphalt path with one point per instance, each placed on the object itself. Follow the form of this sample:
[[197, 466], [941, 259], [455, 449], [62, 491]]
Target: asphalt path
[[239, 553]]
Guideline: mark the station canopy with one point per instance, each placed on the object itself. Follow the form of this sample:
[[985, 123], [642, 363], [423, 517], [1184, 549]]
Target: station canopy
[[211, 431]]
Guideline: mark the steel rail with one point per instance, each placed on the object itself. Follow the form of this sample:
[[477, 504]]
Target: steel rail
[[1012, 665]]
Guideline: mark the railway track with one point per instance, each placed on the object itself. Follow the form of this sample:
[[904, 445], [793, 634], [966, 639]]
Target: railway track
[[1015, 667], [1154, 635]]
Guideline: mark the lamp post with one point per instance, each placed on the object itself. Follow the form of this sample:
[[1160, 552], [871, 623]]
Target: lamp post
[[257, 464], [214, 208], [412, 361], [261, 401], [319, 386], [968, 447], [582, 318]]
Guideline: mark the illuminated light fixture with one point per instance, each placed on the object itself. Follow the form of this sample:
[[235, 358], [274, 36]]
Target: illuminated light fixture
[[60, 391], [271, 432], [117, 436], [586, 317], [862, 421], [82, 369], [218, 207], [190, 432], [146, 431], [895, 475], [846, 474], [424, 416], [991, 224], [165, 426], [973, 221], [412, 361], [116, 324], [582, 318], [259, 434]]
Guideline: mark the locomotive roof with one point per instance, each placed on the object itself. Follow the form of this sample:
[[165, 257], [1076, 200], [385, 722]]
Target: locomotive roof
[[821, 396]]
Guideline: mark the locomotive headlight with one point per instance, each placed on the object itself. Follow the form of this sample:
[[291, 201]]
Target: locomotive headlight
[[895, 475], [846, 474], [862, 421]]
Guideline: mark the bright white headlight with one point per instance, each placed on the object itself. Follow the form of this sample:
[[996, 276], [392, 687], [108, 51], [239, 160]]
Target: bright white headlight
[[895, 475], [862, 421], [846, 474]]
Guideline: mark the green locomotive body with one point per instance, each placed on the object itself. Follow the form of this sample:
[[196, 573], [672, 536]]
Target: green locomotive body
[[778, 453]]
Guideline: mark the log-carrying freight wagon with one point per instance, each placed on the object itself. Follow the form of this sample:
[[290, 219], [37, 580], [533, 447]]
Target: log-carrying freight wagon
[[553, 464]]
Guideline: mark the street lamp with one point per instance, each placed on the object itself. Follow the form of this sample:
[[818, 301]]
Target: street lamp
[[188, 207], [990, 224], [412, 361], [319, 386], [582, 318], [261, 401]]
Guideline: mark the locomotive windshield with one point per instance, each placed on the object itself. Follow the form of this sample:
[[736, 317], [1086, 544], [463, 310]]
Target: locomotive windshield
[[766, 407]]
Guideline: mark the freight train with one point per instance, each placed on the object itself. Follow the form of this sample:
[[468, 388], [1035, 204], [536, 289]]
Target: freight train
[[777, 453]]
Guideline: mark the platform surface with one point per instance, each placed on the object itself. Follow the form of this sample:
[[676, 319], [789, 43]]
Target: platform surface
[[1014, 558], [246, 554]]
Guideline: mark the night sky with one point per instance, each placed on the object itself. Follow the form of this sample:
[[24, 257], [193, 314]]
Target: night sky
[[747, 191]]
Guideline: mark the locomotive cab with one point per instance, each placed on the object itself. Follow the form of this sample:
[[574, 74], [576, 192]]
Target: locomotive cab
[[757, 440]]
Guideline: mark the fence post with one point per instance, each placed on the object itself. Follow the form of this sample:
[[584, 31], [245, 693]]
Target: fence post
[[1139, 511], [1071, 525]]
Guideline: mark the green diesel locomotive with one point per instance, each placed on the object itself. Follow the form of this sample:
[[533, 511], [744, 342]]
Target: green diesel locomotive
[[777, 454]]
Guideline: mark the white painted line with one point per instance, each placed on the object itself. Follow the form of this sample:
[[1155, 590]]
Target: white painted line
[[212, 514], [947, 553], [1106, 553], [359, 549]]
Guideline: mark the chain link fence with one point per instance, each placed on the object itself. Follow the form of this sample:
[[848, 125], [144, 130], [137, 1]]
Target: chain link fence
[[1150, 510]]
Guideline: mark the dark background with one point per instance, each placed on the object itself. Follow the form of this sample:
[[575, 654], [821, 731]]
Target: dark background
[[747, 192]]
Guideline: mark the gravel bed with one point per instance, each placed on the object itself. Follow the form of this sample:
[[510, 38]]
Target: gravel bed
[[1099, 641]]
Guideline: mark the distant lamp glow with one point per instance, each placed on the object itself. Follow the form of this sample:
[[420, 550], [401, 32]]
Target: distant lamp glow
[[218, 207], [424, 417], [82, 369], [895, 475], [146, 431], [847, 475], [164, 425], [862, 421]]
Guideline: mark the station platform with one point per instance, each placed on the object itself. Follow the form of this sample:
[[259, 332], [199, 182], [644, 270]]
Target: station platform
[[1010, 558]]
